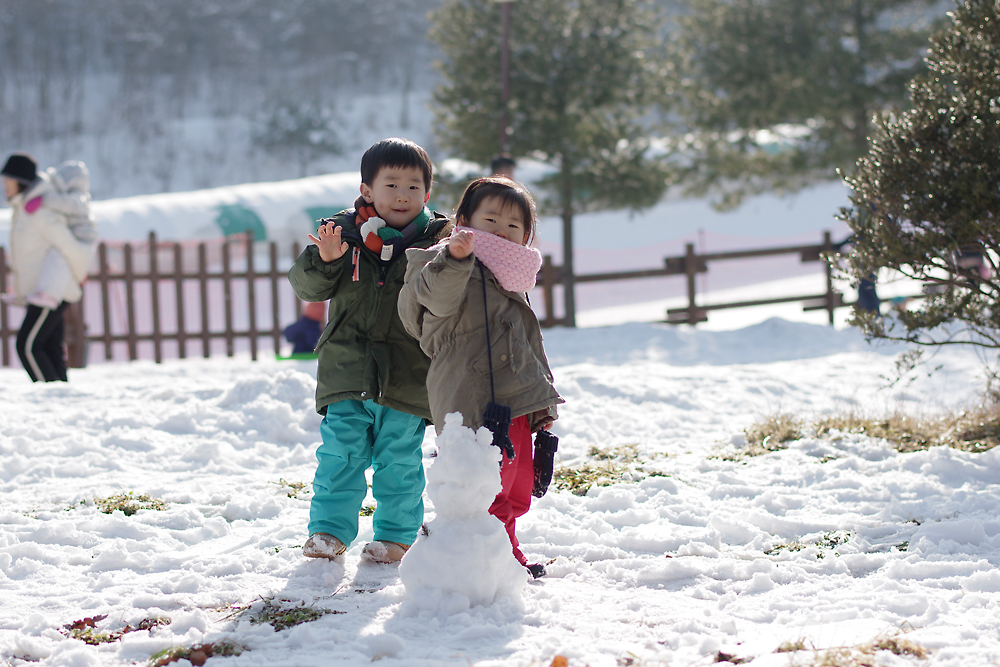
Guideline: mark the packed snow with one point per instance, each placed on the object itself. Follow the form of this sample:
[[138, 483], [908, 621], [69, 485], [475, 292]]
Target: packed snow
[[685, 554], [462, 483]]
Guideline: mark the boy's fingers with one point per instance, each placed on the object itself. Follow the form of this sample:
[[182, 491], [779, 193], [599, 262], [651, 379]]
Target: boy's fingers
[[314, 239]]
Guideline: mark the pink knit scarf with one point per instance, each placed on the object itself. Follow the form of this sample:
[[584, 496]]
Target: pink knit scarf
[[515, 266]]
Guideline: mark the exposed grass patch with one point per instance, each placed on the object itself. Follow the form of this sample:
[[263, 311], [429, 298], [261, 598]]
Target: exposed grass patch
[[791, 647], [296, 490], [976, 430], [830, 540], [197, 655], [862, 655], [610, 467], [772, 432], [129, 503], [281, 617], [86, 630], [767, 435], [368, 510], [787, 546]]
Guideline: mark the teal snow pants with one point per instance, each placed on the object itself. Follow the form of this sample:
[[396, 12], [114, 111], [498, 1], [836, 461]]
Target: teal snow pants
[[358, 435]]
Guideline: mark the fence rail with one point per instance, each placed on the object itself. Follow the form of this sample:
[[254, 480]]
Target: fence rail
[[690, 265], [195, 294]]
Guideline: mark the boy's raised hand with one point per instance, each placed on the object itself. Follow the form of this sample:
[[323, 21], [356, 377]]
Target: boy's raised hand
[[329, 243], [460, 244]]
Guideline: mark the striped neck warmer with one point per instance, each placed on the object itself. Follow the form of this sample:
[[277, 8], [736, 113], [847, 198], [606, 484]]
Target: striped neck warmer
[[389, 243]]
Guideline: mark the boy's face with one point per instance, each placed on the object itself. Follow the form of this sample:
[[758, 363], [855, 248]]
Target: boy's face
[[398, 194]]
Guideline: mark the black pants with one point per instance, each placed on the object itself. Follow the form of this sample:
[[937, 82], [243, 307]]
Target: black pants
[[40, 343]]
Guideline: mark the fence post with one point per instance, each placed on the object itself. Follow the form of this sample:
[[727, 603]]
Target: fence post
[[102, 256], [227, 295], [548, 282], [133, 351], [203, 285], [154, 294], [830, 300], [691, 271], [76, 335], [295, 297], [251, 294], [179, 291], [275, 317]]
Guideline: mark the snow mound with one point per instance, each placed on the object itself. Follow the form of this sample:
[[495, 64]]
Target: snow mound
[[463, 557], [770, 341]]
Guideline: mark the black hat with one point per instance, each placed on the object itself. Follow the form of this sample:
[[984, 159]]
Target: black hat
[[21, 167]]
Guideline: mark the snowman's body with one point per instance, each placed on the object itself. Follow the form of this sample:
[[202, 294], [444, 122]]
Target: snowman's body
[[464, 553]]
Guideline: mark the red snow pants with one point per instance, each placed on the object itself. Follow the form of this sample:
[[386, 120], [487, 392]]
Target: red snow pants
[[517, 478]]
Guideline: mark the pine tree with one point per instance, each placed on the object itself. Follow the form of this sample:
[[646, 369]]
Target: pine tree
[[775, 95], [927, 195], [583, 73]]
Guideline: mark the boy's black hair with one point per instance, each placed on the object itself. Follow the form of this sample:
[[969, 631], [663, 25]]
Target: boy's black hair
[[509, 193], [395, 152]]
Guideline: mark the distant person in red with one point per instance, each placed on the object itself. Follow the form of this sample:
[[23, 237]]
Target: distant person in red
[[503, 165], [304, 334]]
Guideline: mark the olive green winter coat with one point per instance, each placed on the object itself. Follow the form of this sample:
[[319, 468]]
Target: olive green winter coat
[[364, 351], [442, 304]]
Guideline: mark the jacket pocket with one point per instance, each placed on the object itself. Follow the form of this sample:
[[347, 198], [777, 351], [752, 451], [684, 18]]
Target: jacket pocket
[[331, 326], [515, 366]]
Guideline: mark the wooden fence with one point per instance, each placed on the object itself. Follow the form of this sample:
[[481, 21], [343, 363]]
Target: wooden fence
[[690, 265], [210, 297], [203, 297]]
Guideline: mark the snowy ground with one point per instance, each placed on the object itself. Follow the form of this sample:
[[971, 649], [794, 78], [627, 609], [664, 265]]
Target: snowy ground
[[679, 561]]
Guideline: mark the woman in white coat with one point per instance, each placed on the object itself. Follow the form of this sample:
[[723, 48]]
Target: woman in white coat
[[35, 230]]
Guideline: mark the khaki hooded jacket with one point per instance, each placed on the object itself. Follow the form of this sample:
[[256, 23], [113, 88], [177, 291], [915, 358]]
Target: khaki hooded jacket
[[441, 304]]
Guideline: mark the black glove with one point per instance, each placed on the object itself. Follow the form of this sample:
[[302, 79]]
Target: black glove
[[497, 420], [546, 445]]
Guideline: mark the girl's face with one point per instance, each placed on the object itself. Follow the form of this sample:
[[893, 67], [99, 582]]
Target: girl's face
[[504, 221]]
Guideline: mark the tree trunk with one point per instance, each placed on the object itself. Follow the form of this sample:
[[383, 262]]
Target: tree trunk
[[861, 25], [569, 279]]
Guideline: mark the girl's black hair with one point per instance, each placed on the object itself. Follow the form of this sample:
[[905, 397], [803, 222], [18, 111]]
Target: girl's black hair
[[509, 193]]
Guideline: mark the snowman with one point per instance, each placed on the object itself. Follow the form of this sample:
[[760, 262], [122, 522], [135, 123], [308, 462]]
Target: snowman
[[462, 557]]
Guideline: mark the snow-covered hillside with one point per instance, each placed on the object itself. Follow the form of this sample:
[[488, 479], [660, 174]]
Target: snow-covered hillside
[[681, 558]]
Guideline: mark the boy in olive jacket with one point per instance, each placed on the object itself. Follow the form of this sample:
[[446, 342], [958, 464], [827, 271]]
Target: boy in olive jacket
[[371, 379]]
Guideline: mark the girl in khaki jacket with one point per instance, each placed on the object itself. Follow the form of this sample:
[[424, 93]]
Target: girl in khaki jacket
[[456, 292]]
